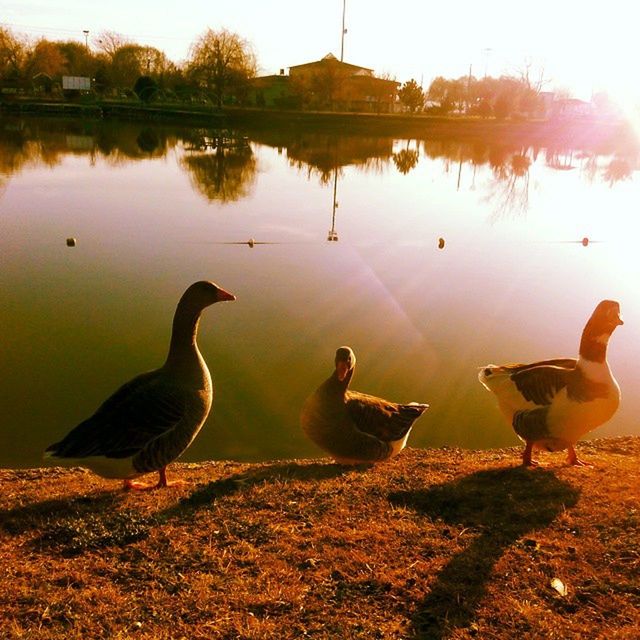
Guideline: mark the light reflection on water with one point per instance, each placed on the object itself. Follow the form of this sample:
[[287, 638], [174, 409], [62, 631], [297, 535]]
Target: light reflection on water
[[156, 208]]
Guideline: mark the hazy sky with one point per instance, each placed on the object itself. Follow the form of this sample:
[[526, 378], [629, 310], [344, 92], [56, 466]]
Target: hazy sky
[[582, 45]]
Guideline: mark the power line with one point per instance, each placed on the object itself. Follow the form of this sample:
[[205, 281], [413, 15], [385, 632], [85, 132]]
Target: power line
[[76, 31]]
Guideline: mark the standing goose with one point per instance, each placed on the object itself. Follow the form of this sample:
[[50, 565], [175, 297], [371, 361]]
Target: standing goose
[[152, 419], [551, 404], [355, 427]]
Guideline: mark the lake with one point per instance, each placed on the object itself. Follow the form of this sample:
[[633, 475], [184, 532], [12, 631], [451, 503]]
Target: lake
[[429, 257]]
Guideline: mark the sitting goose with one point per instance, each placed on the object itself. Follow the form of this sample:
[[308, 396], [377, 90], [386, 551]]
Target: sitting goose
[[551, 404], [151, 420], [355, 427]]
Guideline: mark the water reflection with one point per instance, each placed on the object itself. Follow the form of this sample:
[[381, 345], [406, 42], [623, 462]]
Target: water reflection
[[332, 236], [222, 165], [509, 192], [406, 159], [224, 170]]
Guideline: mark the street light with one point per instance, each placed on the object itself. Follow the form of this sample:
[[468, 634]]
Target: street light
[[86, 38]]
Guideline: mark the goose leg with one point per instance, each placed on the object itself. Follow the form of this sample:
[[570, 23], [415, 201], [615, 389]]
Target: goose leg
[[130, 485], [527, 461], [573, 459]]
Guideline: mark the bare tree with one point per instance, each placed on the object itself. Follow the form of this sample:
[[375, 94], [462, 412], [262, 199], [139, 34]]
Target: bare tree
[[109, 42], [532, 75], [222, 62]]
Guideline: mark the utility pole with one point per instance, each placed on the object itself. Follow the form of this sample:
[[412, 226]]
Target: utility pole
[[344, 9], [485, 53]]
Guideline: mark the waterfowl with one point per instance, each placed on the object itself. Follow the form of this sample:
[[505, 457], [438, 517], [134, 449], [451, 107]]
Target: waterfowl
[[355, 427], [551, 404], [152, 419]]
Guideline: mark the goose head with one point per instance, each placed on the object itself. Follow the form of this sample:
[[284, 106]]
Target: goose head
[[604, 319], [598, 330], [345, 363], [202, 294]]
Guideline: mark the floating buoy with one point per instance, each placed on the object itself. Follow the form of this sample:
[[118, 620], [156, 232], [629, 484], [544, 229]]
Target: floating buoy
[[440, 243], [71, 242], [585, 241]]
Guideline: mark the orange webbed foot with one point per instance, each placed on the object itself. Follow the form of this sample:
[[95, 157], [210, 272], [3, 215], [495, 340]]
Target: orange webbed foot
[[130, 485], [574, 461]]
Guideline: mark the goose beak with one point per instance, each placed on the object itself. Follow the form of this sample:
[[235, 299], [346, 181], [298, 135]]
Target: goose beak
[[224, 296]]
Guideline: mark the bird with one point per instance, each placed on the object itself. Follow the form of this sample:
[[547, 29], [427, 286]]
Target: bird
[[152, 419], [354, 427], [551, 404]]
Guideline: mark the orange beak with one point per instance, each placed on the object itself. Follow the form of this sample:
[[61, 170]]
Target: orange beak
[[224, 296]]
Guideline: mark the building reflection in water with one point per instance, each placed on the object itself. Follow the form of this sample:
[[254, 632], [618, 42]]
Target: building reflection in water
[[333, 234]]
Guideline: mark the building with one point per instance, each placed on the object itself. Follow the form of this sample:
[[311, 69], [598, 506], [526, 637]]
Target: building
[[327, 84], [274, 91]]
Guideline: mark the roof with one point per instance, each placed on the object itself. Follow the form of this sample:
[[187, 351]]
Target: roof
[[331, 58]]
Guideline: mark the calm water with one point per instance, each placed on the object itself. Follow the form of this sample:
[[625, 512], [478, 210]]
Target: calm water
[[155, 208]]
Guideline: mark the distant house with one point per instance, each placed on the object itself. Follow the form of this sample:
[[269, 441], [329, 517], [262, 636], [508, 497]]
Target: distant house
[[571, 108], [273, 91], [327, 84], [330, 83]]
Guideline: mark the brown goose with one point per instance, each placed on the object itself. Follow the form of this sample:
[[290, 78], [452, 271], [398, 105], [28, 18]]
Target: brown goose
[[151, 420], [355, 427], [551, 404]]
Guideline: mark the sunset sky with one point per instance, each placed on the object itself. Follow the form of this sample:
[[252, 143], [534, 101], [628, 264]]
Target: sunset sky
[[582, 46]]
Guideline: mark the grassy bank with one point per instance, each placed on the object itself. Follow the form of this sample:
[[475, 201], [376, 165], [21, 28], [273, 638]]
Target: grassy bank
[[436, 544]]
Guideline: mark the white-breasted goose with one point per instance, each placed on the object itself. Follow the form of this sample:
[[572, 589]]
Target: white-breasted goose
[[551, 404], [152, 419], [355, 427]]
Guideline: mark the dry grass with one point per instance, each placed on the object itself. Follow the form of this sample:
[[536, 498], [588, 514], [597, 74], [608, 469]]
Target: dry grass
[[436, 544]]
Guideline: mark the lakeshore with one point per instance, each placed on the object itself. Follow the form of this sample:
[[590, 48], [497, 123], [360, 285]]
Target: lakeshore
[[437, 543], [579, 131]]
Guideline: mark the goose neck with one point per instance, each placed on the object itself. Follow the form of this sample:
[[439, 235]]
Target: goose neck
[[183, 334], [593, 347]]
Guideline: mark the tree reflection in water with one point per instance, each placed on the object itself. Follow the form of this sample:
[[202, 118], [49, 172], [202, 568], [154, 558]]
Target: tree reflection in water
[[223, 167], [510, 189], [618, 169], [405, 160]]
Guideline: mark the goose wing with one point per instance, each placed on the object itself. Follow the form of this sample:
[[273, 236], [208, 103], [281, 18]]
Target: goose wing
[[137, 413], [532, 425], [539, 383], [563, 363], [385, 420]]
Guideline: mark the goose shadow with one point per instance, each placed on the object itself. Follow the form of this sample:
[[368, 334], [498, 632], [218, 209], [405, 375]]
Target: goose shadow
[[500, 506], [38, 515], [73, 525], [204, 495]]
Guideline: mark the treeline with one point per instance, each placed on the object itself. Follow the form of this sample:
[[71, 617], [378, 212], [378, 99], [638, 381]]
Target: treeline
[[220, 67], [498, 97]]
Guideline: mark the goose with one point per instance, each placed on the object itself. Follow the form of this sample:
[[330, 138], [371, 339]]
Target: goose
[[355, 427], [551, 404], [152, 419]]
